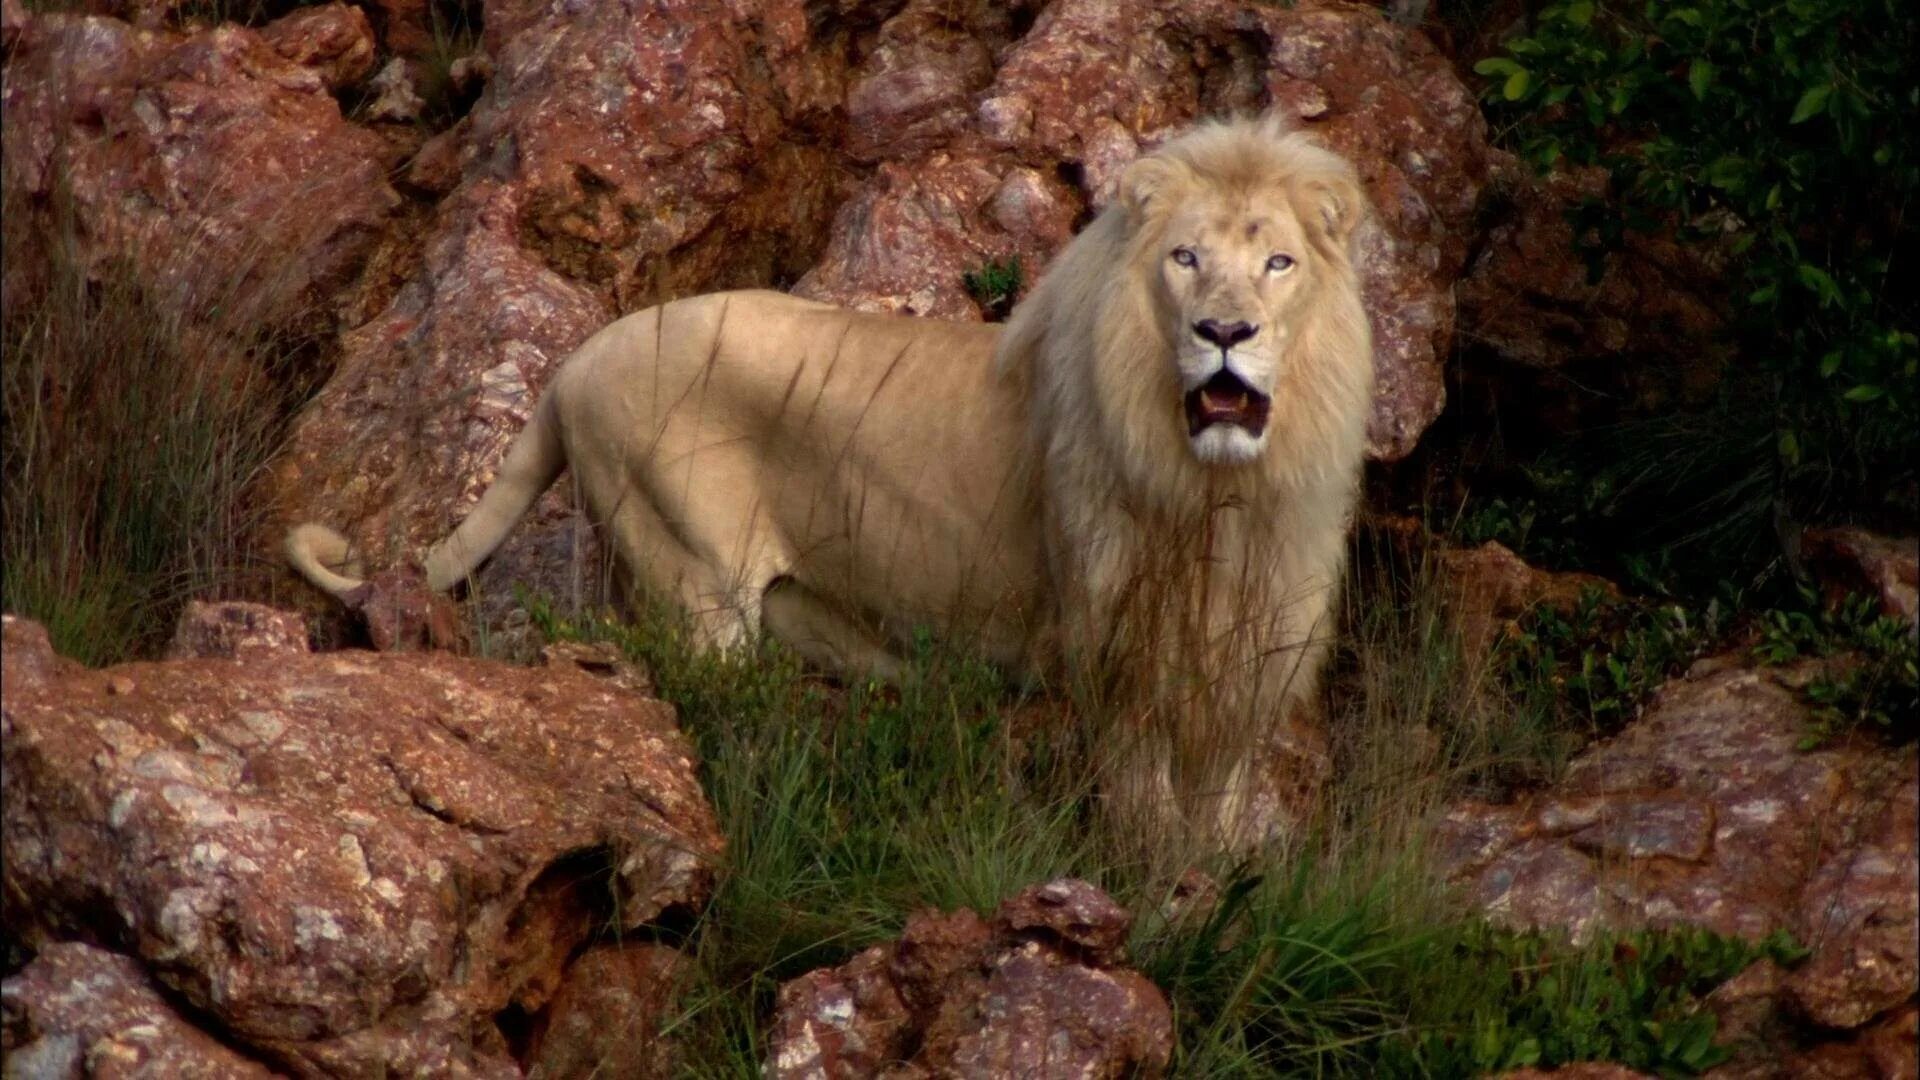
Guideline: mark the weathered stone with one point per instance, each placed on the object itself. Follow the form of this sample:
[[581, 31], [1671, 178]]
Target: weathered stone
[[847, 1021], [1528, 296], [1069, 912], [396, 100], [913, 92], [350, 861], [1707, 813], [623, 152], [1860, 912], [1037, 994], [81, 1011], [906, 242], [236, 631], [1490, 587], [605, 1018], [215, 167], [1851, 560], [333, 40]]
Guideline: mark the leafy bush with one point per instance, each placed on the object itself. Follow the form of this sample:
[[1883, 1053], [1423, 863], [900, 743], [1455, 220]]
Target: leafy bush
[[995, 286], [1594, 666], [1777, 135], [1873, 680]]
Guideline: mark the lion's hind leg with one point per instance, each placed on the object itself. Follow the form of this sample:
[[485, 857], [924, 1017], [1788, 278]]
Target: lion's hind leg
[[824, 636]]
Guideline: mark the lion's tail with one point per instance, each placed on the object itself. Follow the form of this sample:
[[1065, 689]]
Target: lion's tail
[[319, 554], [532, 463]]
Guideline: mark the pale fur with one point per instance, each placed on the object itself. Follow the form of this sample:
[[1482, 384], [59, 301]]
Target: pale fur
[[842, 479]]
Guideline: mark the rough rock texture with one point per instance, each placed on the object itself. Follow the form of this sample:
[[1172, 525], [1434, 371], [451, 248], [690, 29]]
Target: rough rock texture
[[622, 152], [351, 861], [216, 165], [1036, 993], [1848, 560], [1706, 813], [236, 631], [605, 1018], [1528, 296], [81, 1011], [1091, 85], [1491, 587]]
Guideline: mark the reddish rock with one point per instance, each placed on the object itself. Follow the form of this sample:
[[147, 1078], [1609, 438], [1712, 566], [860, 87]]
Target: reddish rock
[[622, 152], [408, 433], [1490, 587], [81, 1011], [1706, 813], [1528, 296], [351, 862], [606, 1017], [1860, 914], [333, 40], [216, 167], [236, 631], [913, 92], [1852, 560], [1038, 993], [906, 242]]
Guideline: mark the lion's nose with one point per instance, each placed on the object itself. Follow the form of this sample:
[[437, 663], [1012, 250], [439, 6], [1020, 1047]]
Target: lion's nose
[[1225, 335]]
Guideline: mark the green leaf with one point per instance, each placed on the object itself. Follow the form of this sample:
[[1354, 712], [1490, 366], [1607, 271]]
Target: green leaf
[[1580, 12], [1516, 86], [1496, 65], [1789, 448], [1699, 74], [1864, 392], [1829, 364], [1811, 103], [1818, 281]]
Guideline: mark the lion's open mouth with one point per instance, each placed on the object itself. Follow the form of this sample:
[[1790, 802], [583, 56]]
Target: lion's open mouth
[[1225, 399]]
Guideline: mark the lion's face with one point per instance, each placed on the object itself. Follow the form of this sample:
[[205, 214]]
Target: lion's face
[[1235, 276]]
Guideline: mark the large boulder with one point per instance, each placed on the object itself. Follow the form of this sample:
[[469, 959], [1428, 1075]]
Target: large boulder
[[77, 1010], [1707, 812], [1041, 991], [216, 165], [348, 863]]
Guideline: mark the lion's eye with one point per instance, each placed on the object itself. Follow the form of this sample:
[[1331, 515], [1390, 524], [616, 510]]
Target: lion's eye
[[1279, 264], [1185, 257]]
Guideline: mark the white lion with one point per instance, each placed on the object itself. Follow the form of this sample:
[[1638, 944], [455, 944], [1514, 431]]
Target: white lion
[[1143, 482]]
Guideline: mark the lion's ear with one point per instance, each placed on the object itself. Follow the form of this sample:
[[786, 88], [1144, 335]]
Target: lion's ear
[[1146, 181], [1338, 205]]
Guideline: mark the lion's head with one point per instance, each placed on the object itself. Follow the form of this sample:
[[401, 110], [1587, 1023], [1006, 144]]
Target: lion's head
[[1210, 318]]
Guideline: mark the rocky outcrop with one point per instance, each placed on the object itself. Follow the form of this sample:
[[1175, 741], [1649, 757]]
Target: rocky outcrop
[[236, 631], [215, 165], [605, 1019], [1707, 813], [1038, 992], [1849, 560], [1530, 299], [622, 153], [81, 1011], [350, 863]]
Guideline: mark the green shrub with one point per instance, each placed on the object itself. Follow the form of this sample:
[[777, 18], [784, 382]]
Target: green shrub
[[132, 429], [1778, 136], [995, 286], [1872, 680]]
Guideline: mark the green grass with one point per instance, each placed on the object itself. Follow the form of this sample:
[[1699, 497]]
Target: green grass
[[848, 807], [132, 427]]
